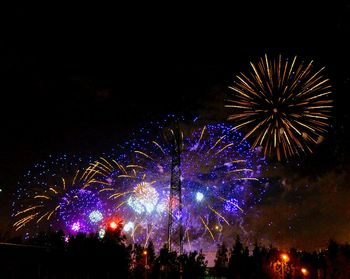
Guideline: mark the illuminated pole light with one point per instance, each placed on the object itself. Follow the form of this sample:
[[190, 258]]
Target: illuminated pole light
[[285, 259], [304, 271], [199, 196], [146, 264]]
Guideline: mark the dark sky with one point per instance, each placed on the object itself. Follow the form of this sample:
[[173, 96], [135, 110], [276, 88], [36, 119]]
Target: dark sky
[[78, 79]]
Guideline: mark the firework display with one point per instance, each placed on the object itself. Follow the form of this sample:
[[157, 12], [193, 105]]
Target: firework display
[[58, 194], [81, 210], [283, 104], [189, 184], [131, 195], [220, 179]]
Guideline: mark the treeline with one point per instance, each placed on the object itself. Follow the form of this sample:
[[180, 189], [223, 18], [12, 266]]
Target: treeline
[[54, 255], [269, 262]]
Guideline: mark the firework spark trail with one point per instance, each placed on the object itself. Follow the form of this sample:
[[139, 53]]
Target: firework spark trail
[[285, 106]]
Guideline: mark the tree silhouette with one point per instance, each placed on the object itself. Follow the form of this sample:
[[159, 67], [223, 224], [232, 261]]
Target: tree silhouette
[[49, 255], [151, 254], [236, 261], [221, 261]]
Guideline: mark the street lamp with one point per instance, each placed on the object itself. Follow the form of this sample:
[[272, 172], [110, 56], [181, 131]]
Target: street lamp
[[146, 266], [285, 259], [304, 271]]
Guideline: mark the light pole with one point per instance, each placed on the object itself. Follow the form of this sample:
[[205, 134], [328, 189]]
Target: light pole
[[285, 259], [304, 271], [146, 265]]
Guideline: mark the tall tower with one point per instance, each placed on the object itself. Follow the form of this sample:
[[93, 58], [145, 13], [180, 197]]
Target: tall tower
[[175, 229]]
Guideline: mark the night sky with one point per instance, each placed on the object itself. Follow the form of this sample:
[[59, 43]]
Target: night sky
[[78, 80]]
